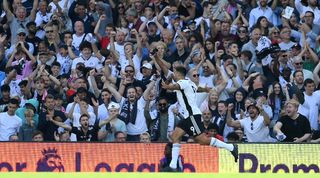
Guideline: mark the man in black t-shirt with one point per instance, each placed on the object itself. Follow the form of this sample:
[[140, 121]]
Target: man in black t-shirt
[[292, 127], [85, 132]]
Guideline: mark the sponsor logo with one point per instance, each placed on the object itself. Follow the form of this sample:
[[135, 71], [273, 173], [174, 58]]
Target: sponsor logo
[[50, 161]]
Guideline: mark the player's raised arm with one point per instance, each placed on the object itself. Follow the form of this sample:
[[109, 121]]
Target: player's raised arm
[[170, 86]]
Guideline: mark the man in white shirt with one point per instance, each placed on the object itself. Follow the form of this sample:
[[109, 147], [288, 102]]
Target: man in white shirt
[[132, 110], [255, 126], [9, 122], [79, 36], [87, 58], [12, 81], [312, 98], [262, 10], [312, 6]]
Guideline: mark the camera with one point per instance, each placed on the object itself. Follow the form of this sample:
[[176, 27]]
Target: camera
[[154, 51]]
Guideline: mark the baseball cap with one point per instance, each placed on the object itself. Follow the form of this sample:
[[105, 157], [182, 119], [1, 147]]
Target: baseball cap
[[296, 46], [21, 30], [258, 92], [147, 65], [185, 29], [113, 105]]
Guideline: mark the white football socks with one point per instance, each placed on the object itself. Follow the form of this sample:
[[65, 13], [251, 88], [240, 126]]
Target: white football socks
[[217, 143], [175, 154]]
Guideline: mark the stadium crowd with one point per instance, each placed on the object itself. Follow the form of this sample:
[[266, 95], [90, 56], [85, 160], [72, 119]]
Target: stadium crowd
[[93, 70]]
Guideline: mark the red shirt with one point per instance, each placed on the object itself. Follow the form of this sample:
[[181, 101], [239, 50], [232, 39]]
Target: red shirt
[[104, 42]]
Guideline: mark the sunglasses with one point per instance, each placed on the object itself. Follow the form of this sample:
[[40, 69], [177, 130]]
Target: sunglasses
[[162, 104], [251, 125], [298, 63], [284, 55], [195, 75], [276, 33], [242, 31], [120, 7], [129, 71], [49, 31], [21, 34]]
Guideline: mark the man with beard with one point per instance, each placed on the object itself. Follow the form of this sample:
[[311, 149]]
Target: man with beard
[[31, 37], [48, 114], [262, 10], [293, 127], [161, 121], [132, 110], [255, 126], [85, 132], [225, 32], [298, 79]]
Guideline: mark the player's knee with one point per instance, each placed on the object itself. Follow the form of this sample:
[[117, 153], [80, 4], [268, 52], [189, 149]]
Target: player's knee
[[175, 138], [202, 140]]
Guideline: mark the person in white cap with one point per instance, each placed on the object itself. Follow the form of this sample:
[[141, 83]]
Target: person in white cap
[[112, 124], [146, 73]]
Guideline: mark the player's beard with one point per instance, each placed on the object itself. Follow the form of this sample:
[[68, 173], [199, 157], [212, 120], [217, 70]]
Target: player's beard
[[163, 109]]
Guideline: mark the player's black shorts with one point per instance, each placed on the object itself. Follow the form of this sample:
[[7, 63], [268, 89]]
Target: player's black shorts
[[192, 125]]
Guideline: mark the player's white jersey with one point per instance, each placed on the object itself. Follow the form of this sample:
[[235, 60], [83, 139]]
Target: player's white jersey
[[187, 97]]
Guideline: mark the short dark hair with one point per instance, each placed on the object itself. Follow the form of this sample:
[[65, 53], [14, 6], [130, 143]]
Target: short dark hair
[[110, 25], [206, 4], [295, 73], [105, 90], [23, 83], [14, 101], [232, 64], [307, 81], [49, 96], [85, 44], [67, 32], [226, 57], [233, 136], [310, 13], [56, 64], [247, 53], [162, 98], [37, 132], [117, 133], [223, 102], [84, 115], [5, 88], [181, 70]]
